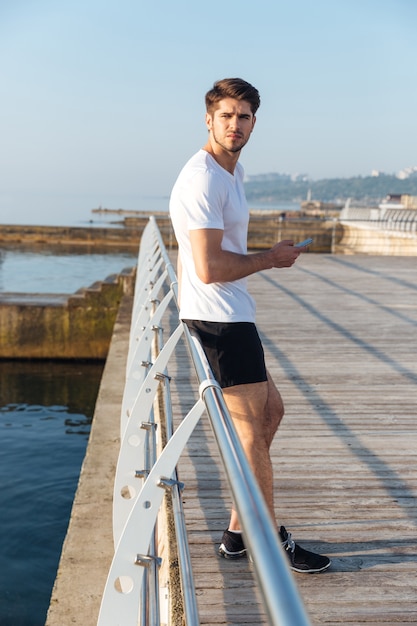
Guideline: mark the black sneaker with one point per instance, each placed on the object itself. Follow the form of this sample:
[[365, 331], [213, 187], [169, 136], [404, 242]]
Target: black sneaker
[[302, 560], [232, 546]]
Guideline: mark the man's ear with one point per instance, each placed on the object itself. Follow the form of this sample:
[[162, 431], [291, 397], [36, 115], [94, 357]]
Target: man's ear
[[209, 121], [253, 122]]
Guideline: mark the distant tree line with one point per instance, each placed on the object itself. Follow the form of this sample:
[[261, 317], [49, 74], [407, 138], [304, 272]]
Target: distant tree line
[[281, 188]]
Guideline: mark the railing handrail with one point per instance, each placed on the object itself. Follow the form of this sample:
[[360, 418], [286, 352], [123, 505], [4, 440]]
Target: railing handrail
[[383, 218], [280, 596]]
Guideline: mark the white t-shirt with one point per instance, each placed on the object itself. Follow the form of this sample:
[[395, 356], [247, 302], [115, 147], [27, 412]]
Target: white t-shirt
[[206, 195]]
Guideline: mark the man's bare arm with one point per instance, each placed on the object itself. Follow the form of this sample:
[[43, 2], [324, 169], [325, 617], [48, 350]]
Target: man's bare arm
[[213, 264]]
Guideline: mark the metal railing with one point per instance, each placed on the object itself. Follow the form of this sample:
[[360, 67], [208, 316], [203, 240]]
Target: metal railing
[[389, 219], [146, 469]]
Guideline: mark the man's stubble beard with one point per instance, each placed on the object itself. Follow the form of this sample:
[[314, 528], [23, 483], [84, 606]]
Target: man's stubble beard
[[233, 149]]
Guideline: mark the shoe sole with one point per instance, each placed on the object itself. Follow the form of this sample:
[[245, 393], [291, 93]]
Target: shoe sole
[[240, 555], [310, 571], [232, 555]]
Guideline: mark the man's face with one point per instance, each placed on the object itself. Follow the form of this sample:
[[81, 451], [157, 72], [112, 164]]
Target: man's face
[[231, 124]]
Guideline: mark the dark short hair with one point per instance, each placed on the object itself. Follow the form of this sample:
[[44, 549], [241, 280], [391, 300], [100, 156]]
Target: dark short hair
[[235, 88]]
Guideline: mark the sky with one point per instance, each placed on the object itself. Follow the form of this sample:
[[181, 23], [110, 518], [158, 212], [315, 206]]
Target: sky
[[102, 101]]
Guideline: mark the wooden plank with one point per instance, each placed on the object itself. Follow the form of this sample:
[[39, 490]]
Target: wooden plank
[[340, 338]]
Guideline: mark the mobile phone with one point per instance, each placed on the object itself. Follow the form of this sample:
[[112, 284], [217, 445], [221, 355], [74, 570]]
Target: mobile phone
[[304, 243]]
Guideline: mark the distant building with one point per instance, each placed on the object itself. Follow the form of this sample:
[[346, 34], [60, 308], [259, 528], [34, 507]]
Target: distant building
[[317, 208], [399, 201], [407, 172]]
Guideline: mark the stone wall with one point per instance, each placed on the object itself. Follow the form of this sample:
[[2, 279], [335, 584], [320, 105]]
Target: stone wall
[[77, 326], [367, 238]]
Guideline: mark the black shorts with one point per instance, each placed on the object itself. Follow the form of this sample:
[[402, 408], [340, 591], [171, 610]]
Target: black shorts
[[234, 351]]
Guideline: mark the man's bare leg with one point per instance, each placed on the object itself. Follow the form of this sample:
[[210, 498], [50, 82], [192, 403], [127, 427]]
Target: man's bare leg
[[256, 410]]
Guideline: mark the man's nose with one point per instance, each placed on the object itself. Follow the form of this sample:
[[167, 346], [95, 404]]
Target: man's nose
[[234, 122]]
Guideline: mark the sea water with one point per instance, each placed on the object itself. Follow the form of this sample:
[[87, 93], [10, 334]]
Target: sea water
[[43, 271], [45, 416]]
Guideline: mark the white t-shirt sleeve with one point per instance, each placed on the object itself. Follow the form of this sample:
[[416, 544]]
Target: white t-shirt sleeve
[[203, 200]]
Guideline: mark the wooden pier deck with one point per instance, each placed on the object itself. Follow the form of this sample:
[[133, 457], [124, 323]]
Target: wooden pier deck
[[340, 337]]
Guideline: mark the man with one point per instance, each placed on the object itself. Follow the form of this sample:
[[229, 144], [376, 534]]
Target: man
[[210, 217]]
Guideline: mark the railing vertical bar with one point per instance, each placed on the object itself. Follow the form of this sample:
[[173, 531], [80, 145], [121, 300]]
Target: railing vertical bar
[[186, 573], [144, 606], [184, 557]]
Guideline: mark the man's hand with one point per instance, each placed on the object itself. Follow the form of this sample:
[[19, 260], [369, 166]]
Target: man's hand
[[284, 254]]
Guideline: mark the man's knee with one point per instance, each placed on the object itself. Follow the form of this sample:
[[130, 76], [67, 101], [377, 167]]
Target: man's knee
[[275, 404]]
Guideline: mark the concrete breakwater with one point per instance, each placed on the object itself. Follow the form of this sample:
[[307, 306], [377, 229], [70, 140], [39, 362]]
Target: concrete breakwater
[[265, 229], [48, 326], [69, 237]]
